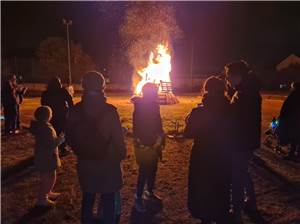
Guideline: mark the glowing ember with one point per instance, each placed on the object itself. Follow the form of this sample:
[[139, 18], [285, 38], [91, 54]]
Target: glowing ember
[[157, 70]]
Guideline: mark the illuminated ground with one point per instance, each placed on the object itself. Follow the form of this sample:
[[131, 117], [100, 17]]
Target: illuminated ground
[[276, 181]]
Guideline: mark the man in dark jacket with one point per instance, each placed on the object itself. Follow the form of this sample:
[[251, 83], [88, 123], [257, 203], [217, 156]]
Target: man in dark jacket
[[60, 102], [148, 142], [246, 107], [289, 122], [95, 134]]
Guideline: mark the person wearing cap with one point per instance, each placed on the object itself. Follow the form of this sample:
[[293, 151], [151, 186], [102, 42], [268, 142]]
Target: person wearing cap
[[148, 143], [246, 108], [60, 101], [289, 122], [209, 125], [95, 134]]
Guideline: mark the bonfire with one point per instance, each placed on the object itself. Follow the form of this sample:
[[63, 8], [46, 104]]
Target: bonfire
[[158, 71]]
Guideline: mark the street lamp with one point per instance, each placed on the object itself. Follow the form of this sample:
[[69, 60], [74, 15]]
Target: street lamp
[[67, 23]]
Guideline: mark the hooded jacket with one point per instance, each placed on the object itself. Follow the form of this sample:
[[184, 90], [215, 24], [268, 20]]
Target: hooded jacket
[[147, 124], [99, 175], [46, 156]]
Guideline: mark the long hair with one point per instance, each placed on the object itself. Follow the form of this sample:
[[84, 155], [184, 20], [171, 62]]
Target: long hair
[[214, 85]]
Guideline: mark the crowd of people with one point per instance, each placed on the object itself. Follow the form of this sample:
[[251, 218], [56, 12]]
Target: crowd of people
[[225, 128], [11, 98]]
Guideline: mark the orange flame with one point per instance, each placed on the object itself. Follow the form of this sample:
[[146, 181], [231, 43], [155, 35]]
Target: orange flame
[[157, 70]]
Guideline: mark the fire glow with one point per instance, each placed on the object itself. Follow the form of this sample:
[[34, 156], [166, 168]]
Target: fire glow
[[157, 70]]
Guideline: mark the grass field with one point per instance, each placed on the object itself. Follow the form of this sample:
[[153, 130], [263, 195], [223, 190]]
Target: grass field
[[276, 203], [170, 113]]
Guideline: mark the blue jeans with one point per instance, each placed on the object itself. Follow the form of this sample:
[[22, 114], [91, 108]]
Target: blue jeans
[[110, 208]]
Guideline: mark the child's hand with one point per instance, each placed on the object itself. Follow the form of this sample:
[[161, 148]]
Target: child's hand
[[61, 138]]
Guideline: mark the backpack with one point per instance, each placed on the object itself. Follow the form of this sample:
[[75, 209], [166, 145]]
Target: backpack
[[84, 136]]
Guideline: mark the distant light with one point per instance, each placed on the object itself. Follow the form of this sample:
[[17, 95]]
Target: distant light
[[274, 124]]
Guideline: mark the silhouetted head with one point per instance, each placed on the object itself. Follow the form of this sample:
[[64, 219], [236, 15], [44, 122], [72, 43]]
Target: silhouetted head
[[43, 114], [54, 84], [236, 71], [93, 82], [214, 86], [149, 91]]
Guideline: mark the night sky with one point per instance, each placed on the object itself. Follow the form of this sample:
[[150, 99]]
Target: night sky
[[262, 33]]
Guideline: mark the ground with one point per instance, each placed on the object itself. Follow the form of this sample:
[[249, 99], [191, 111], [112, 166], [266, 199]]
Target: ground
[[276, 181]]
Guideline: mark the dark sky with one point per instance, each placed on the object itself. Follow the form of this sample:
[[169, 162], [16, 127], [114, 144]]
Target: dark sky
[[261, 32]]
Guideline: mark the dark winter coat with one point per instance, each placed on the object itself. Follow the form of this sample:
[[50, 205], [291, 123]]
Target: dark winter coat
[[60, 101], [289, 119], [147, 124], [9, 97], [246, 107], [209, 172], [100, 174], [46, 156]]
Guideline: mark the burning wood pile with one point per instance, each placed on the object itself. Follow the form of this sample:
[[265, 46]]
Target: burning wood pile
[[158, 71]]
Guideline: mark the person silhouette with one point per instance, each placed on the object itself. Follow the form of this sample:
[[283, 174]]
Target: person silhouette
[[95, 134], [289, 122], [246, 108], [11, 98], [148, 142], [209, 125], [60, 101]]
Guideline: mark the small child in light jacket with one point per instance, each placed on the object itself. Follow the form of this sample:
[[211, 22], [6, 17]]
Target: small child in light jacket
[[46, 157]]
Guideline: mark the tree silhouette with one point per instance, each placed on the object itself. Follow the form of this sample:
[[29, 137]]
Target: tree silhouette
[[52, 54]]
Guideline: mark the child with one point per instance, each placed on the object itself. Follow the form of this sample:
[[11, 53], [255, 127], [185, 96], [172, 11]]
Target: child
[[148, 142], [46, 159]]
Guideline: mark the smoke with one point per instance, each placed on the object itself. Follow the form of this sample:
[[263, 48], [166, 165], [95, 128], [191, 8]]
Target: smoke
[[145, 26]]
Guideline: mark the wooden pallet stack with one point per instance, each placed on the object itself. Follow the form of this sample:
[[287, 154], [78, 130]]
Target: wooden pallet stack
[[166, 95]]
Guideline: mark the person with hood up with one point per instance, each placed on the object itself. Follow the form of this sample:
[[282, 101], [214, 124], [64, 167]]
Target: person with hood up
[[148, 142], [209, 125], [60, 101], [246, 108], [95, 134], [46, 158]]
